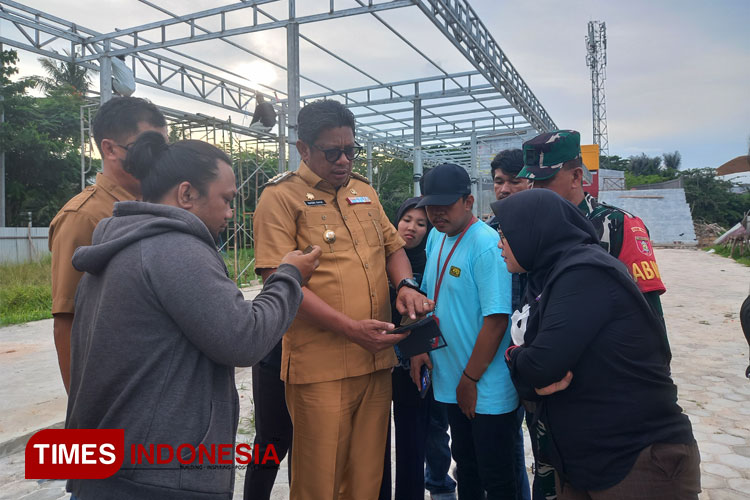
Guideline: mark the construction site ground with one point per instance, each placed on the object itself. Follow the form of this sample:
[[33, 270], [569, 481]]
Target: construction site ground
[[710, 356]]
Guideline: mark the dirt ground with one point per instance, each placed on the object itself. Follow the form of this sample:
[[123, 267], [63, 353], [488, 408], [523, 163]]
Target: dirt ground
[[701, 308]]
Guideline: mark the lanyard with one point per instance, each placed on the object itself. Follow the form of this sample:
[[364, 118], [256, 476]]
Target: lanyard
[[439, 278]]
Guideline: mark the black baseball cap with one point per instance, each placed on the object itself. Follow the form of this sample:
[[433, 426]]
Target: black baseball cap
[[444, 185]]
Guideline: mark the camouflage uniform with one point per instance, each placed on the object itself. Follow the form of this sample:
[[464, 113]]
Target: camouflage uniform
[[609, 223]]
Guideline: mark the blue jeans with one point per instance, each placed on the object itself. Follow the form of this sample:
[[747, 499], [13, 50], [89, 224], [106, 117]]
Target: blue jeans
[[438, 452]]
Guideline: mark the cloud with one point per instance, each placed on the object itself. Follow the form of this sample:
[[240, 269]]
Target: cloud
[[678, 70]]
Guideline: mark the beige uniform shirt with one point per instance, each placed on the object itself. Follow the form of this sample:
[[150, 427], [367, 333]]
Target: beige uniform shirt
[[71, 228], [295, 212]]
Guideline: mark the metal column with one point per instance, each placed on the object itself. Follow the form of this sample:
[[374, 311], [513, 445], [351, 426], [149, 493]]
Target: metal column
[[282, 138], [105, 74], [292, 82], [369, 160], [475, 186], [417, 145], [83, 151]]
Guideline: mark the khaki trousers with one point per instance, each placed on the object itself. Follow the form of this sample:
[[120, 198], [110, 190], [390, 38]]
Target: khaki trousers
[[340, 430], [661, 472]]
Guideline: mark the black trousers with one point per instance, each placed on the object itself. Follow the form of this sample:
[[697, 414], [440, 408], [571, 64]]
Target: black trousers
[[484, 451], [272, 426], [411, 415]]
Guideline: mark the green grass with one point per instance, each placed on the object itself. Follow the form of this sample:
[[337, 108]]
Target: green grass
[[724, 252], [25, 292], [26, 289], [246, 256]]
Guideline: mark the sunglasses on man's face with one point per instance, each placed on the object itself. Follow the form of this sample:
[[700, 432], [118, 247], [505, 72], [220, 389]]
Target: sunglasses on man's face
[[333, 154]]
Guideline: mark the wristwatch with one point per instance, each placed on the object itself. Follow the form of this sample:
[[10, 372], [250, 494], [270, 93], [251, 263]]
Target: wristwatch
[[409, 282]]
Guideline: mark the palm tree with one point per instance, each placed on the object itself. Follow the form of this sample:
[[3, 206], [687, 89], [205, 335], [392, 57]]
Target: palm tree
[[672, 161], [63, 75]]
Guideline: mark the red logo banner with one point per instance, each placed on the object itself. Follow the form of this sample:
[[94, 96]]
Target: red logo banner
[[75, 453]]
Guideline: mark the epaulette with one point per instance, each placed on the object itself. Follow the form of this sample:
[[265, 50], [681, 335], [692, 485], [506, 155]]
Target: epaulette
[[279, 178], [360, 177], [78, 200]]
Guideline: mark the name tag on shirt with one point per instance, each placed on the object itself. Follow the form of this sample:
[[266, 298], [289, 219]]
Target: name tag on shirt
[[358, 200], [314, 203]]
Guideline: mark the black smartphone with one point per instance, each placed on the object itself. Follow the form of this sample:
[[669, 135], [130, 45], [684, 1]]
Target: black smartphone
[[425, 380], [410, 326]]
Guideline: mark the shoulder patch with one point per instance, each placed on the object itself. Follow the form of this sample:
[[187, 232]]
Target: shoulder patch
[[78, 200], [279, 178], [360, 177]]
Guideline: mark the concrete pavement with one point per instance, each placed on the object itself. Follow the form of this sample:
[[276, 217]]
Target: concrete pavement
[[710, 355]]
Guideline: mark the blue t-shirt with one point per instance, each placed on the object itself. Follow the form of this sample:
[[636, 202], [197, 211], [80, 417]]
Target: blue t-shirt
[[476, 284]]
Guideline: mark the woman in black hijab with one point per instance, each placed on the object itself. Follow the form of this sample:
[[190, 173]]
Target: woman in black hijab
[[593, 356]]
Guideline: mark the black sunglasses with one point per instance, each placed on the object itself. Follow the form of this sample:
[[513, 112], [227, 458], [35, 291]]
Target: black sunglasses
[[333, 154]]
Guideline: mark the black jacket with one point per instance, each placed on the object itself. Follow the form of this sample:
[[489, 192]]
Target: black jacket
[[588, 317]]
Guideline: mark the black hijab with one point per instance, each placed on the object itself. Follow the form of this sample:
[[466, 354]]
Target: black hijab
[[549, 235], [416, 255], [541, 228]]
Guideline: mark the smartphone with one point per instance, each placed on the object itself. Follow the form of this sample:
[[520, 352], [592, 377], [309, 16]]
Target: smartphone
[[307, 250], [425, 380], [410, 326]]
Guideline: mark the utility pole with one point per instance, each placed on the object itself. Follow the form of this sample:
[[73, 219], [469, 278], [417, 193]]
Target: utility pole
[[2, 164], [596, 59], [2, 160]]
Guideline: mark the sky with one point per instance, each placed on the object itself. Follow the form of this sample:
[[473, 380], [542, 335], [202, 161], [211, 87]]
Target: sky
[[678, 73]]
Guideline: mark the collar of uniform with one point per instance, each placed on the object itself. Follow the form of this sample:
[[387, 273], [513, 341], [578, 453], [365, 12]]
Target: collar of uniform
[[314, 180], [588, 204], [118, 192]]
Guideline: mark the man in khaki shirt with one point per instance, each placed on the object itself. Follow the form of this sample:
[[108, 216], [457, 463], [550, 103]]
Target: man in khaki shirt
[[116, 125], [336, 356]]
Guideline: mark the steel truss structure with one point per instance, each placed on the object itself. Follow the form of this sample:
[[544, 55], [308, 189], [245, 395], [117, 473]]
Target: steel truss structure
[[471, 90], [596, 59]]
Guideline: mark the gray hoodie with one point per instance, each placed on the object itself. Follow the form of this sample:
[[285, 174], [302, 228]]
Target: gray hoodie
[[158, 330]]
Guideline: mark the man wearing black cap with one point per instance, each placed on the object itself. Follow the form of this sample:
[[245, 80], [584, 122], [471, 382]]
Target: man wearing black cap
[[466, 277], [553, 161]]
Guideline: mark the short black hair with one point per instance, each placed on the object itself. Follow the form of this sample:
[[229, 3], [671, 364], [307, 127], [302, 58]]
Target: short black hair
[[510, 161], [119, 117], [161, 166], [321, 115]]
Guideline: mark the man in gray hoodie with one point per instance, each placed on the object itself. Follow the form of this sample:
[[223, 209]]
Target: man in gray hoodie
[[159, 328]]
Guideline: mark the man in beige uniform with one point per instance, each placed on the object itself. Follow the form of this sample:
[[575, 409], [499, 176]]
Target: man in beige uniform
[[116, 125], [336, 356]]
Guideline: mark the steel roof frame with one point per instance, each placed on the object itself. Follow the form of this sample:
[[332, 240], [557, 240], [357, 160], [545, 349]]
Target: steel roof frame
[[447, 113]]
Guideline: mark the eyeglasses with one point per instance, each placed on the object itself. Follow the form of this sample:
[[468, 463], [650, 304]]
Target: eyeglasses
[[333, 154], [125, 147]]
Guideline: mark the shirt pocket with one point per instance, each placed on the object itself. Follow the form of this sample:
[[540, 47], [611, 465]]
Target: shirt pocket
[[369, 219], [318, 222]]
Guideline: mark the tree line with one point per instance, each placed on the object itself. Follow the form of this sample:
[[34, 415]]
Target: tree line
[[710, 197], [41, 140]]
